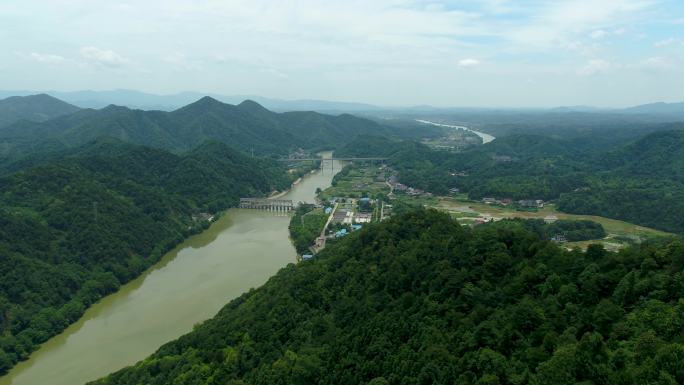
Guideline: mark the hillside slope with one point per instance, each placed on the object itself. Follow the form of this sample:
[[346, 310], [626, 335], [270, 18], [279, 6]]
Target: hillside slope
[[247, 126], [421, 300], [640, 182], [35, 108], [73, 229]]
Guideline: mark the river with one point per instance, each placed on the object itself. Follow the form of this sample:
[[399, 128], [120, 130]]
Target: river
[[241, 250], [486, 138]]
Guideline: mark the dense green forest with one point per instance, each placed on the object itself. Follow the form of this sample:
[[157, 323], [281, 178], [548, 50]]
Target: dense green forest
[[34, 108], [640, 182], [420, 299], [73, 229], [247, 126], [572, 230], [305, 226]]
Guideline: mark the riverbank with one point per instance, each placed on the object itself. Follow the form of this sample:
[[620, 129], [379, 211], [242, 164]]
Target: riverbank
[[486, 138], [239, 251]]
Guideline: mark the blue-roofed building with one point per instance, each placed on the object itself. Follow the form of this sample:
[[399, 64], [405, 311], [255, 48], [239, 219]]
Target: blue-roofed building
[[328, 210], [356, 227], [306, 257], [341, 233], [364, 199]]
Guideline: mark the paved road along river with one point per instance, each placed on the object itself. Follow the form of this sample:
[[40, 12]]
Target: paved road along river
[[190, 284]]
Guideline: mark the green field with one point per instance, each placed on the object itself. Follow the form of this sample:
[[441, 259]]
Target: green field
[[362, 180], [619, 232]]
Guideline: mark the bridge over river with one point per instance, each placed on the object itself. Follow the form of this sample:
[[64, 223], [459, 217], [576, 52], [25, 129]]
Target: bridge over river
[[267, 204], [331, 161]]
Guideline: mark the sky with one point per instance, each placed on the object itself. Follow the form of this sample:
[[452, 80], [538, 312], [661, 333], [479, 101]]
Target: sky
[[487, 53]]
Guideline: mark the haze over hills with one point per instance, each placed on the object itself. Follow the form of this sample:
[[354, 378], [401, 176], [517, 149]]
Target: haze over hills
[[476, 192], [657, 108], [147, 101], [36, 108], [247, 126]]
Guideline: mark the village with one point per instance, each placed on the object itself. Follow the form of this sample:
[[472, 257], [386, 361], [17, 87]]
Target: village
[[365, 193]]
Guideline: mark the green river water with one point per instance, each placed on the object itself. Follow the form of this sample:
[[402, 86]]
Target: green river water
[[190, 284]]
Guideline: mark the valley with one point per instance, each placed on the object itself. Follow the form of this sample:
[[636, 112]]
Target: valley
[[114, 245], [190, 283]]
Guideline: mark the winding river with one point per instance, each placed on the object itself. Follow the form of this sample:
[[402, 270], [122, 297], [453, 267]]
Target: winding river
[[486, 138], [190, 284]]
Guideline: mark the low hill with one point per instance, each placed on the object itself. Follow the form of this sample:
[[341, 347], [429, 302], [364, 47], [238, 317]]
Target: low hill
[[35, 108], [421, 300], [72, 229], [660, 153], [658, 108], [640, 182]]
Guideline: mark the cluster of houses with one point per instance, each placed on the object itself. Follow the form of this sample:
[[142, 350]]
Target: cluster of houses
[[400, 187], [299, 153], [349, 217], [342, 232], [538, 203]]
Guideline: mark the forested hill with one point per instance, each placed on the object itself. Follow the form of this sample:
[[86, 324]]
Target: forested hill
[[640, 182], [35, 108], [421, 300], [73, 229], [247, 126]]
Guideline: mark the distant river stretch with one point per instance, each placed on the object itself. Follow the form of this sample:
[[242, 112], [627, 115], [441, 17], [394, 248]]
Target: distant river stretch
[[486, 138], [190, 284]]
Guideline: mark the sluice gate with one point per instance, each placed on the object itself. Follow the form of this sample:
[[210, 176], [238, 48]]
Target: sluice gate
[[267, 204]]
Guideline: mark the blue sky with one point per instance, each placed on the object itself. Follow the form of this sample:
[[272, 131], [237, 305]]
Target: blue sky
[[389, 52]]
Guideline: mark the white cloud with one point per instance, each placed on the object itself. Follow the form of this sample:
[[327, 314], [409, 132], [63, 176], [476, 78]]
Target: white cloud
[[47, 58], [107, 58], [180, 62], [584, 49], [469, 62], [341, 49], [665, 42], [656, 63], [558, 22], [596, 67], [599, 33]]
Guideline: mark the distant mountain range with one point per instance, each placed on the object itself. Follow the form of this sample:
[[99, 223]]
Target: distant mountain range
[[657, 108], [247, 126], [146, 101], [36, 108]]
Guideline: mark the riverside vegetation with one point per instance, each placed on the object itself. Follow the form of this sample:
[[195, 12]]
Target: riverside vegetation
[[640, 182], [73, 229], [417, 299], [420, 299], [84, 207]]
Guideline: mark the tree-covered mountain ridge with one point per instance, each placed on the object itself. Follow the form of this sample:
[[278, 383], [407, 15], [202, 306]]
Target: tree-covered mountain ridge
[[35, 108], [247, 126], [419, 299], [76, 227], [640, 182]]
